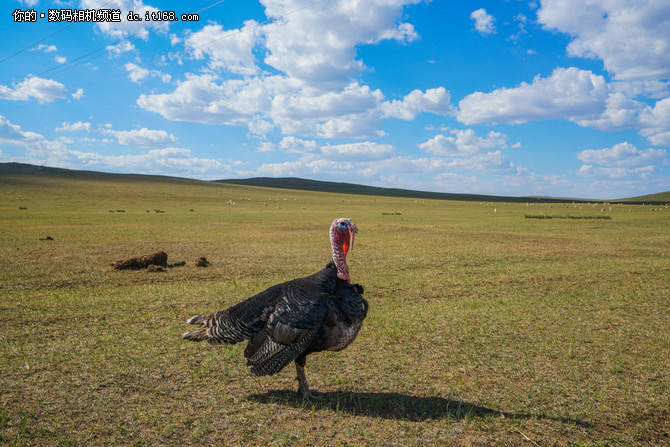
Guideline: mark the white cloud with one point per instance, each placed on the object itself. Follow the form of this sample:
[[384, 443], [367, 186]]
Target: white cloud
[[120, 48], [143, 137], [317, 45], [137, 73], [622, 165], [125, 28], [312, 91], [201, 99], [362, 151], [12, 134], [266, 146], [167, 161], [605, 173], [436, 100], [622, 155], [260, 127], [60, 59], [483, 21], [468, 151], [78, 126], [230, 50], [568, 93], [631, 37], [621, 112], [464, 143], [346, 112], [33, 87], [45, 48], [78, 94], [292, 144], [656, 122], [359, 152]]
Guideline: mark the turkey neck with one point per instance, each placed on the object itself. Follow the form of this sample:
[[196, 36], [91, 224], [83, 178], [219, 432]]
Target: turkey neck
[[339, 258]]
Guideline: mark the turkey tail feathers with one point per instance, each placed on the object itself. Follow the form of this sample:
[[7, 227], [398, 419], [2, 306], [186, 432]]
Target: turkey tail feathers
[[199, 335], [221, 328], [196, 320]]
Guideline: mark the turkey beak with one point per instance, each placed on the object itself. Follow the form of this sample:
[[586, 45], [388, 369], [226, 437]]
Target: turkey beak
[[349, 242]]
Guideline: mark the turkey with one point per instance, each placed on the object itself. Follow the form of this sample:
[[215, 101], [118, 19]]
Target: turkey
[[288, 321]]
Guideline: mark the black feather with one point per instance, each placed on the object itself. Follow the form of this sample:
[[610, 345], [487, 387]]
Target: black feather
[[288, 320]]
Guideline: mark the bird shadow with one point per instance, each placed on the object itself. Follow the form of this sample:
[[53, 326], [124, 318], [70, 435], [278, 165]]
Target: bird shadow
[[399, 406]]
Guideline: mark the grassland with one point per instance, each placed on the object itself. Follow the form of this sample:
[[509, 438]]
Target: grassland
[[485, 327]]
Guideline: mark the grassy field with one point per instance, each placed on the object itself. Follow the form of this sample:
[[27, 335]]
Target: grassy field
[[486, 327]]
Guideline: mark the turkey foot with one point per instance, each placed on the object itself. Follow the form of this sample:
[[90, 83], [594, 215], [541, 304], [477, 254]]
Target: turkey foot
[[303, 388]]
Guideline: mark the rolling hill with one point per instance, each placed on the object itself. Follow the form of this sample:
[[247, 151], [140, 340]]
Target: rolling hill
[[22, 169]]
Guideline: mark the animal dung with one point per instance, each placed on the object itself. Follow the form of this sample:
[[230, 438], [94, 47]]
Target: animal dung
[[202, 262], [142, 262], [154, 262]]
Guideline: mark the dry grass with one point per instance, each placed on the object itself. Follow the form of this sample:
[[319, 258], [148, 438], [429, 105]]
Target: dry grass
[[484, 328]]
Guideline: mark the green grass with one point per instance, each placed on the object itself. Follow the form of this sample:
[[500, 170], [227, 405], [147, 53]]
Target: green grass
[[568, 216], [485, 328]]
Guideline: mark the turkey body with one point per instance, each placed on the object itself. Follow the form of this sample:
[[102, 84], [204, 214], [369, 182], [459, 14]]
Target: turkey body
[[289, 321]]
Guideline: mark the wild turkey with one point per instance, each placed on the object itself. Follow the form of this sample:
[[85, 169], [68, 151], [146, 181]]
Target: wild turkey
[[288, 321]]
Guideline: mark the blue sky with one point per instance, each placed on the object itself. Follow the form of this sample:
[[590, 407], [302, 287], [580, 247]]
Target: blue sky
[[564, 98]]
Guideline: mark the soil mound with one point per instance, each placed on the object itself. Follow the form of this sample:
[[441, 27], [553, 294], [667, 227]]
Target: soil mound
[[202, 262], [141, 262]]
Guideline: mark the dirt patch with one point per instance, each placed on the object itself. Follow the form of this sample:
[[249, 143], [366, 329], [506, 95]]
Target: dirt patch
[[141, 262], [202, 262]]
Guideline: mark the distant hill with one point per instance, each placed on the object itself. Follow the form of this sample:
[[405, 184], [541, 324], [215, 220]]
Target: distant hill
[[652, 199], [352, 188], [46, 171], [308, 185]]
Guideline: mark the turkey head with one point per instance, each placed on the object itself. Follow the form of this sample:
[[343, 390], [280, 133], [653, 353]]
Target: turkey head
[[342, 233]]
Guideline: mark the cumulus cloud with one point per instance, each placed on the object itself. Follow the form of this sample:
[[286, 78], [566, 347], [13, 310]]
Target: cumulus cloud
[[120, 48], [622, 162], [202, 99], [230, 50], [346, 112], [45, 48], [656, 122], [362, 151], [483, 21], [167, 161], [568, 93], [12, 134], [78, 126], [464, 142], [464, 149], [292, 144], [125, 28], [266, 146], [143, 137], [609, 173], [632, 38], [137, 73], [260, 127], [317, 46], [34, 87], [309, 89], [78, 94], [621, 112], [622, 155], [436, 100]]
